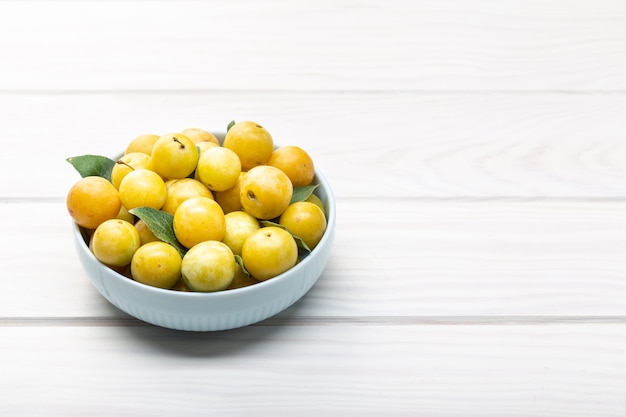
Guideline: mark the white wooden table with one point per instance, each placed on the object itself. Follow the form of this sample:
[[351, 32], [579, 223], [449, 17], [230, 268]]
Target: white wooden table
[[478, 155]]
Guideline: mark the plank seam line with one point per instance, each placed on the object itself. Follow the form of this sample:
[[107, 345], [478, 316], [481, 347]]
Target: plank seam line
[[205, 91], [422, 199], [333, 321]]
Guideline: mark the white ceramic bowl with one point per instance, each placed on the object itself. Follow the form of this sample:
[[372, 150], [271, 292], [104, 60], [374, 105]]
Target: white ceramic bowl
[[229, 309]]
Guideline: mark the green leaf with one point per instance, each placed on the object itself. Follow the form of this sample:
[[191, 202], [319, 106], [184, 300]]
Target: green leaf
[[239, 261], [161, 223], [92, 165], [301, 193], [298, 240], [231, 124]]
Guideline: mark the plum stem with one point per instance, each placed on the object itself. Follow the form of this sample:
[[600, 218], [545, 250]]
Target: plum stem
[[119, 161], [182, 145]]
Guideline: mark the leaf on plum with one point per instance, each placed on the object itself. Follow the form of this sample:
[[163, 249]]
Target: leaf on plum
[[239, 261], [231, 124], [301, 193], [161, 223], [92, 165], [299, 242]]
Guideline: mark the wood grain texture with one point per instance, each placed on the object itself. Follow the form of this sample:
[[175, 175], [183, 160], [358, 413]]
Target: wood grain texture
[[411, 258], [561, 371], [368, 145], [325, 45], [478, 157]]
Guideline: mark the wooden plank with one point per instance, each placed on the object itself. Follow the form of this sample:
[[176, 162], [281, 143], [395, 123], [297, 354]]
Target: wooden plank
[[370, 145], [391, 258], [325, 45], [559, 370]]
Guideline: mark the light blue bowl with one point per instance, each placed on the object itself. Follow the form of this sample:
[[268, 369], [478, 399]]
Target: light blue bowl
[[222, 310]]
